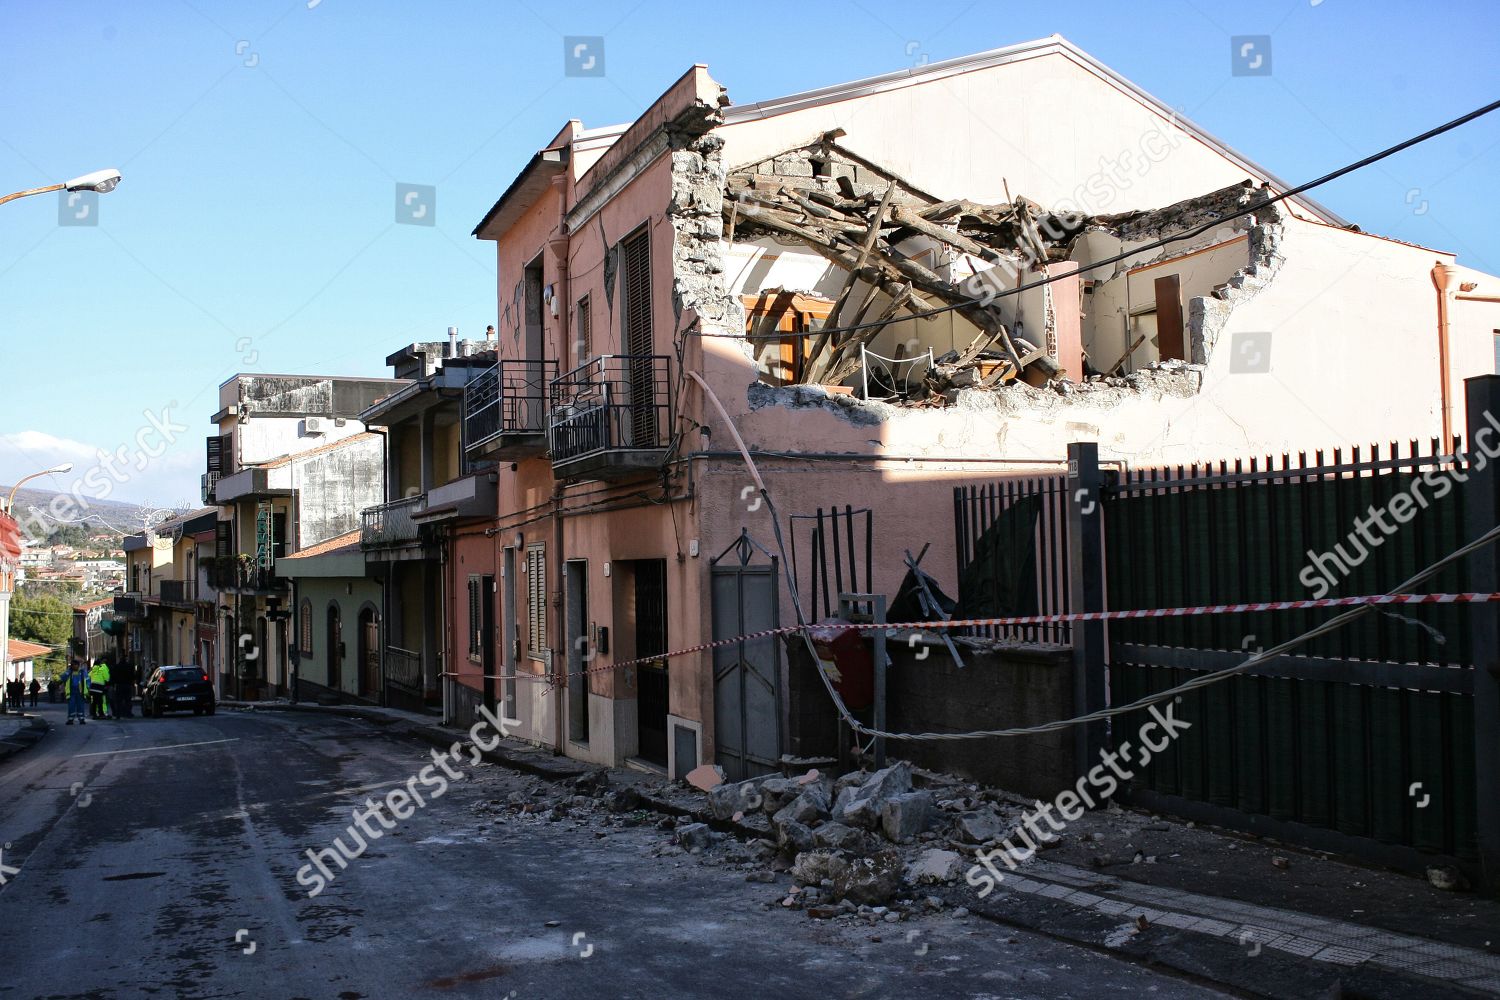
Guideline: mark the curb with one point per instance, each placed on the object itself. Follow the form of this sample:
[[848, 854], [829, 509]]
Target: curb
[[1220, 963], [28, 737]]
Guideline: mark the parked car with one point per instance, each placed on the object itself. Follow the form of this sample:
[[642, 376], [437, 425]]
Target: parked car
[[173, 689]]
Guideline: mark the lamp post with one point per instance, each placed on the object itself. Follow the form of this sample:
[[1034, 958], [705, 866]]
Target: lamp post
[[7, 573], [101, 181]]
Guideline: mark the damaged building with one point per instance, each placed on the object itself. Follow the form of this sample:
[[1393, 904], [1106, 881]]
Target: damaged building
[[878, 290]]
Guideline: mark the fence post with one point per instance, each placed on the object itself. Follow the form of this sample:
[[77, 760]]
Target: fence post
[[1481, 513], [1086, 593]]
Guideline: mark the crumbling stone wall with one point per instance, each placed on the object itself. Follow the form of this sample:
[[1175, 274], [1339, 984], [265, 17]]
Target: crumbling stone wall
[[696, 216]]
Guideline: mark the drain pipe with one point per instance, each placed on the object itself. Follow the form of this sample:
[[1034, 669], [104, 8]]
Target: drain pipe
[[1442, 279]]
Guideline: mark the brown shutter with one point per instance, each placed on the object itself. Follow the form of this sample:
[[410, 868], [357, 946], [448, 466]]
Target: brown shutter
[[1169, 318]]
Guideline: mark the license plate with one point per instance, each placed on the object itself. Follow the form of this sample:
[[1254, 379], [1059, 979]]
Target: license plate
[[184, 697]]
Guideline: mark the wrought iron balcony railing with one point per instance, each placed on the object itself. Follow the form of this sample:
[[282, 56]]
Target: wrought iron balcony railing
[[390, 523], [506, 405], [612, 415]]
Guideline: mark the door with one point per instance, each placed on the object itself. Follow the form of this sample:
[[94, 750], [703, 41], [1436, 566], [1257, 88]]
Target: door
[[369, 654], [576, 578], [487, 638], [747, 675], [651, 640], [510, 633], [335, 647]]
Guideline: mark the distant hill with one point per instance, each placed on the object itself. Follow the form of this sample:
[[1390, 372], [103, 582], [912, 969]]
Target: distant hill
[[111, 516]]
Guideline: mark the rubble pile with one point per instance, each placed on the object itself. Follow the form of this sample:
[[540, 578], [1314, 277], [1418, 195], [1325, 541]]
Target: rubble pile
[[869, 845]]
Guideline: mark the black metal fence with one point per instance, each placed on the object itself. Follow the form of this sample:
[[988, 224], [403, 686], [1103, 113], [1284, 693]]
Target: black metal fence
[[613, 403], [1011, 538], [838, 543], [1322, 746]]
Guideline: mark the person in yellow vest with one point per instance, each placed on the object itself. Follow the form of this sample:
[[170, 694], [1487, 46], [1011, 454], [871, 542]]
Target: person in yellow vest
[[98, 682]]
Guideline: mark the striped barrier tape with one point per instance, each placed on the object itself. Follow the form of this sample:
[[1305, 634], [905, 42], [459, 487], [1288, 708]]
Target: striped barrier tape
[[1086, 616]]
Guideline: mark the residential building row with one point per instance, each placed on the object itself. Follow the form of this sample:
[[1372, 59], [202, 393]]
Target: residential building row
[[744, 353]]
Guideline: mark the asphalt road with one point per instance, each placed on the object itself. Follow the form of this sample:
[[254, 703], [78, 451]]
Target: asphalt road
[[159, 857]]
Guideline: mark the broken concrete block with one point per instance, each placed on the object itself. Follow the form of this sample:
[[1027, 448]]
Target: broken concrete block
[[812, 867], [979, 827], [696, 837], [933, 867], [706, 776], [904, 816], [794, 838], [810, 806], [862, 806], [839, 837], [777, 793], [870, 881], [730, 798]]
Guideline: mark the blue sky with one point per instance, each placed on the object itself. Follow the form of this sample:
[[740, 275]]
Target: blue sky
[[261, 143]]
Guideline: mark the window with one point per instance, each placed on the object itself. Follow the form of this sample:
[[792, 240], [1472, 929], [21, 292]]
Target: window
[[583, 332], [304, 624], [1497, 352], [636, 253], [780, 324], [476, 618], [536, 601]]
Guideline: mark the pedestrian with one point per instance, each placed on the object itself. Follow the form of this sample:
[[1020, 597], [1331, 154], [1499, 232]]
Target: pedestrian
[[36, 689], [99, 690], [124, 690], [75, 686]]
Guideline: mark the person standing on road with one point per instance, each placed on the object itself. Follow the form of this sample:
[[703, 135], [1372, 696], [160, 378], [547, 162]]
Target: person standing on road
[[36, 690], [124, 689], [75, 687], [98, 690]]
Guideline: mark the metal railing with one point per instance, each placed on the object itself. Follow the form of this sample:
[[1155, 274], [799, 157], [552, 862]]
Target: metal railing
[[207, 482], [390, 523], [612, 403], [403, 667], [509, 398], [181, 592]]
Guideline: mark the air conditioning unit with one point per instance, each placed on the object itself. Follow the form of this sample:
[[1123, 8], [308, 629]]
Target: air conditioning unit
[[312, 426]]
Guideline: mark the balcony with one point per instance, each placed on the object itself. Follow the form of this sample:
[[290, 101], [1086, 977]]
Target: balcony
[[390, 525], [129, 607], [179, 593], [206, 483], [611, 418], [472, 496], [505, 410], [403, 668], [238, 574]]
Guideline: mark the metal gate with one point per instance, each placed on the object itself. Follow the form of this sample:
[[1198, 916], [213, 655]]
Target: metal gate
[[747, 675]]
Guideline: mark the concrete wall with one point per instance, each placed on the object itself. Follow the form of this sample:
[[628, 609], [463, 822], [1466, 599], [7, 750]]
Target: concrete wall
[[995, 689], [1045, 127], [265, 439]]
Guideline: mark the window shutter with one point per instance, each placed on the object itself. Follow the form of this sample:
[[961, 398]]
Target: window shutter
[[216, 454], [636, 249], [223, 538], [536, 600], [583, 332], [475, 640]]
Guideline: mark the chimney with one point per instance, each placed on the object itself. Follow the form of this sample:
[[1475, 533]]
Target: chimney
[[452, 341]]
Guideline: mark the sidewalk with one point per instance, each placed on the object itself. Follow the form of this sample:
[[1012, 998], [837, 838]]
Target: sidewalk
[[1261, 917], [20, 732]]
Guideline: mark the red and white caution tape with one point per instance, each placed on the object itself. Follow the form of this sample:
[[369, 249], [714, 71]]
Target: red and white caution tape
[[1086, 616]]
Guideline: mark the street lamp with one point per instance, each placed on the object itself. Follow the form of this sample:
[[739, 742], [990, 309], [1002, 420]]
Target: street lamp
[[100, 181], [10, 501], [6, 575]]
